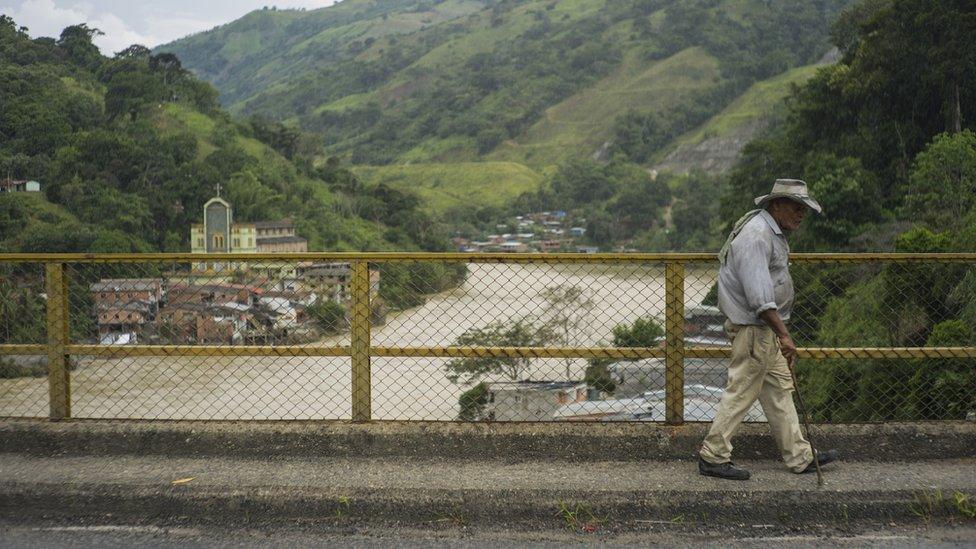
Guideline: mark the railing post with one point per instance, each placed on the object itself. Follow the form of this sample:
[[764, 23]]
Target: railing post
[[360, 341], [674, 314], [58, 374]]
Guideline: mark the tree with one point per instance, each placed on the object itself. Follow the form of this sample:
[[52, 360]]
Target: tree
[[168, 65], [644, 332], [639, 200], [328, 315], [21, 305], [942, 184], [251, 199], [851, 200], [130, 91], [566, 312], [946, 388], [845, 31], [76, 42], [639, 135], [523, 332], [582, 182], [694, 212], [135, 51]]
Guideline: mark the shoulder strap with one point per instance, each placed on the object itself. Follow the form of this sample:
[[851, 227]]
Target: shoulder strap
[[723, 254]]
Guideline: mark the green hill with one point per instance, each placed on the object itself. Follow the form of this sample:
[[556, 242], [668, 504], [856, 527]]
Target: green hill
[[715, 145], [581, 123], [529, 81], [28, 220], [444, 187], [270, 45], [128, 149]]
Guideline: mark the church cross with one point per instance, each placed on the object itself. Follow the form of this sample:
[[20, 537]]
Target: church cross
[[218, 189]]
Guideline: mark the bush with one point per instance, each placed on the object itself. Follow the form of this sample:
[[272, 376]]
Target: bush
[[328, 315], [405, 284], [644, 332], [598, 377], [472, 403], [10, 369]]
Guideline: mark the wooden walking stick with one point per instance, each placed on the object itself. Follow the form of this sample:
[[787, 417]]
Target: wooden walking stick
[[806, 420]]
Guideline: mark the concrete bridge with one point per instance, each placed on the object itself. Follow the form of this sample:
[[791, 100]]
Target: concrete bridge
[[163, 432], [539, 482]]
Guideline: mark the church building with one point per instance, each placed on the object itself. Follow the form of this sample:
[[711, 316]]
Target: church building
[[220, 234]]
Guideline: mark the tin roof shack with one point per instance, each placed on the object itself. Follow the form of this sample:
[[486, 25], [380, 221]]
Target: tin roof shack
[[123, 318], [125, 305], [282, 309], [121, 290], [331, 280], [547, 246], [530, 400], [19, 186], [203, 323], [179, 293]]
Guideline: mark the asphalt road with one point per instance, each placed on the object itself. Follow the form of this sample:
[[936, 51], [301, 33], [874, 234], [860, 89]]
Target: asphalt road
[[58, 536]]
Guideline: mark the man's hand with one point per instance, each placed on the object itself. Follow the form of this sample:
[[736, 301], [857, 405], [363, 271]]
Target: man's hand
[[788, 348], [786, 345]]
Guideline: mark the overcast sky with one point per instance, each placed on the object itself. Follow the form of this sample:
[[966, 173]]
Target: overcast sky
[[127, 22]]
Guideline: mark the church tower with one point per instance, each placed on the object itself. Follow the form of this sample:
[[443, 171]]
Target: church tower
[[218, 218]]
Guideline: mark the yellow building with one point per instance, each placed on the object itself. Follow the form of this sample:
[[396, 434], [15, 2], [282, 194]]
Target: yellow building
[[219, 234]]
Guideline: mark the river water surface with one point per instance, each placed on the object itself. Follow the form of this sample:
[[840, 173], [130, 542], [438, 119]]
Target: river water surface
[[402, 388]]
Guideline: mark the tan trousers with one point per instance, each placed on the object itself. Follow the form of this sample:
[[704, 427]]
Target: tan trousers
[[757, 370]]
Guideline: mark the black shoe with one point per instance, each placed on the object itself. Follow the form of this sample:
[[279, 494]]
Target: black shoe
[[726, 470], [823, 458]]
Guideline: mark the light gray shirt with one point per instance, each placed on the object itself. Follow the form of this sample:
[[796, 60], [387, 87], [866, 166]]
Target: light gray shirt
[[756, 276]]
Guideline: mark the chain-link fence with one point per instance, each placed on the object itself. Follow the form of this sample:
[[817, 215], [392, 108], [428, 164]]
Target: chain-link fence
[[472, 337]]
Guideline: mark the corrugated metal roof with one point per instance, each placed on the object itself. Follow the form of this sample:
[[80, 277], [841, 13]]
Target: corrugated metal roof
[[126, 285]]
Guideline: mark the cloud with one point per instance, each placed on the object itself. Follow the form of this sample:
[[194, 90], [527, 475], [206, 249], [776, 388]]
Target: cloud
[[118, 35], [160, 21], [43, 18], [171, 28]]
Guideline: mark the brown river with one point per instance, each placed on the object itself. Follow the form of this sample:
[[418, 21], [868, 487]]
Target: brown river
[[269, 388]]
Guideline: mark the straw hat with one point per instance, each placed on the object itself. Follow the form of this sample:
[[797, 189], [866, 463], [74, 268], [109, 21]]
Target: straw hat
[[793, 189]]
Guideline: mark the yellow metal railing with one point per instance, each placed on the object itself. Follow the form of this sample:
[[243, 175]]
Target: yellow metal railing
[[58, 347]]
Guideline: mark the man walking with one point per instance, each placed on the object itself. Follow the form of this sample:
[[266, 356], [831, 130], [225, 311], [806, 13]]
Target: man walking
[[755, 292]]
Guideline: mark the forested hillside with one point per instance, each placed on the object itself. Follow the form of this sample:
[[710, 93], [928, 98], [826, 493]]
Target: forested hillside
[[533, 81], [128, 148]]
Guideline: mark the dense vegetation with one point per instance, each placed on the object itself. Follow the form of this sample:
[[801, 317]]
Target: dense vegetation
[[886, 140], [131, 147]]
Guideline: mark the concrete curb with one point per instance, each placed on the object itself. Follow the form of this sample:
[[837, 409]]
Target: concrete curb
[[547, 441], [510, 509]]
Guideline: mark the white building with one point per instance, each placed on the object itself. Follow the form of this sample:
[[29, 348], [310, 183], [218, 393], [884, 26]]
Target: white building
[[530, 400], [19, 186], [700, 404]]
